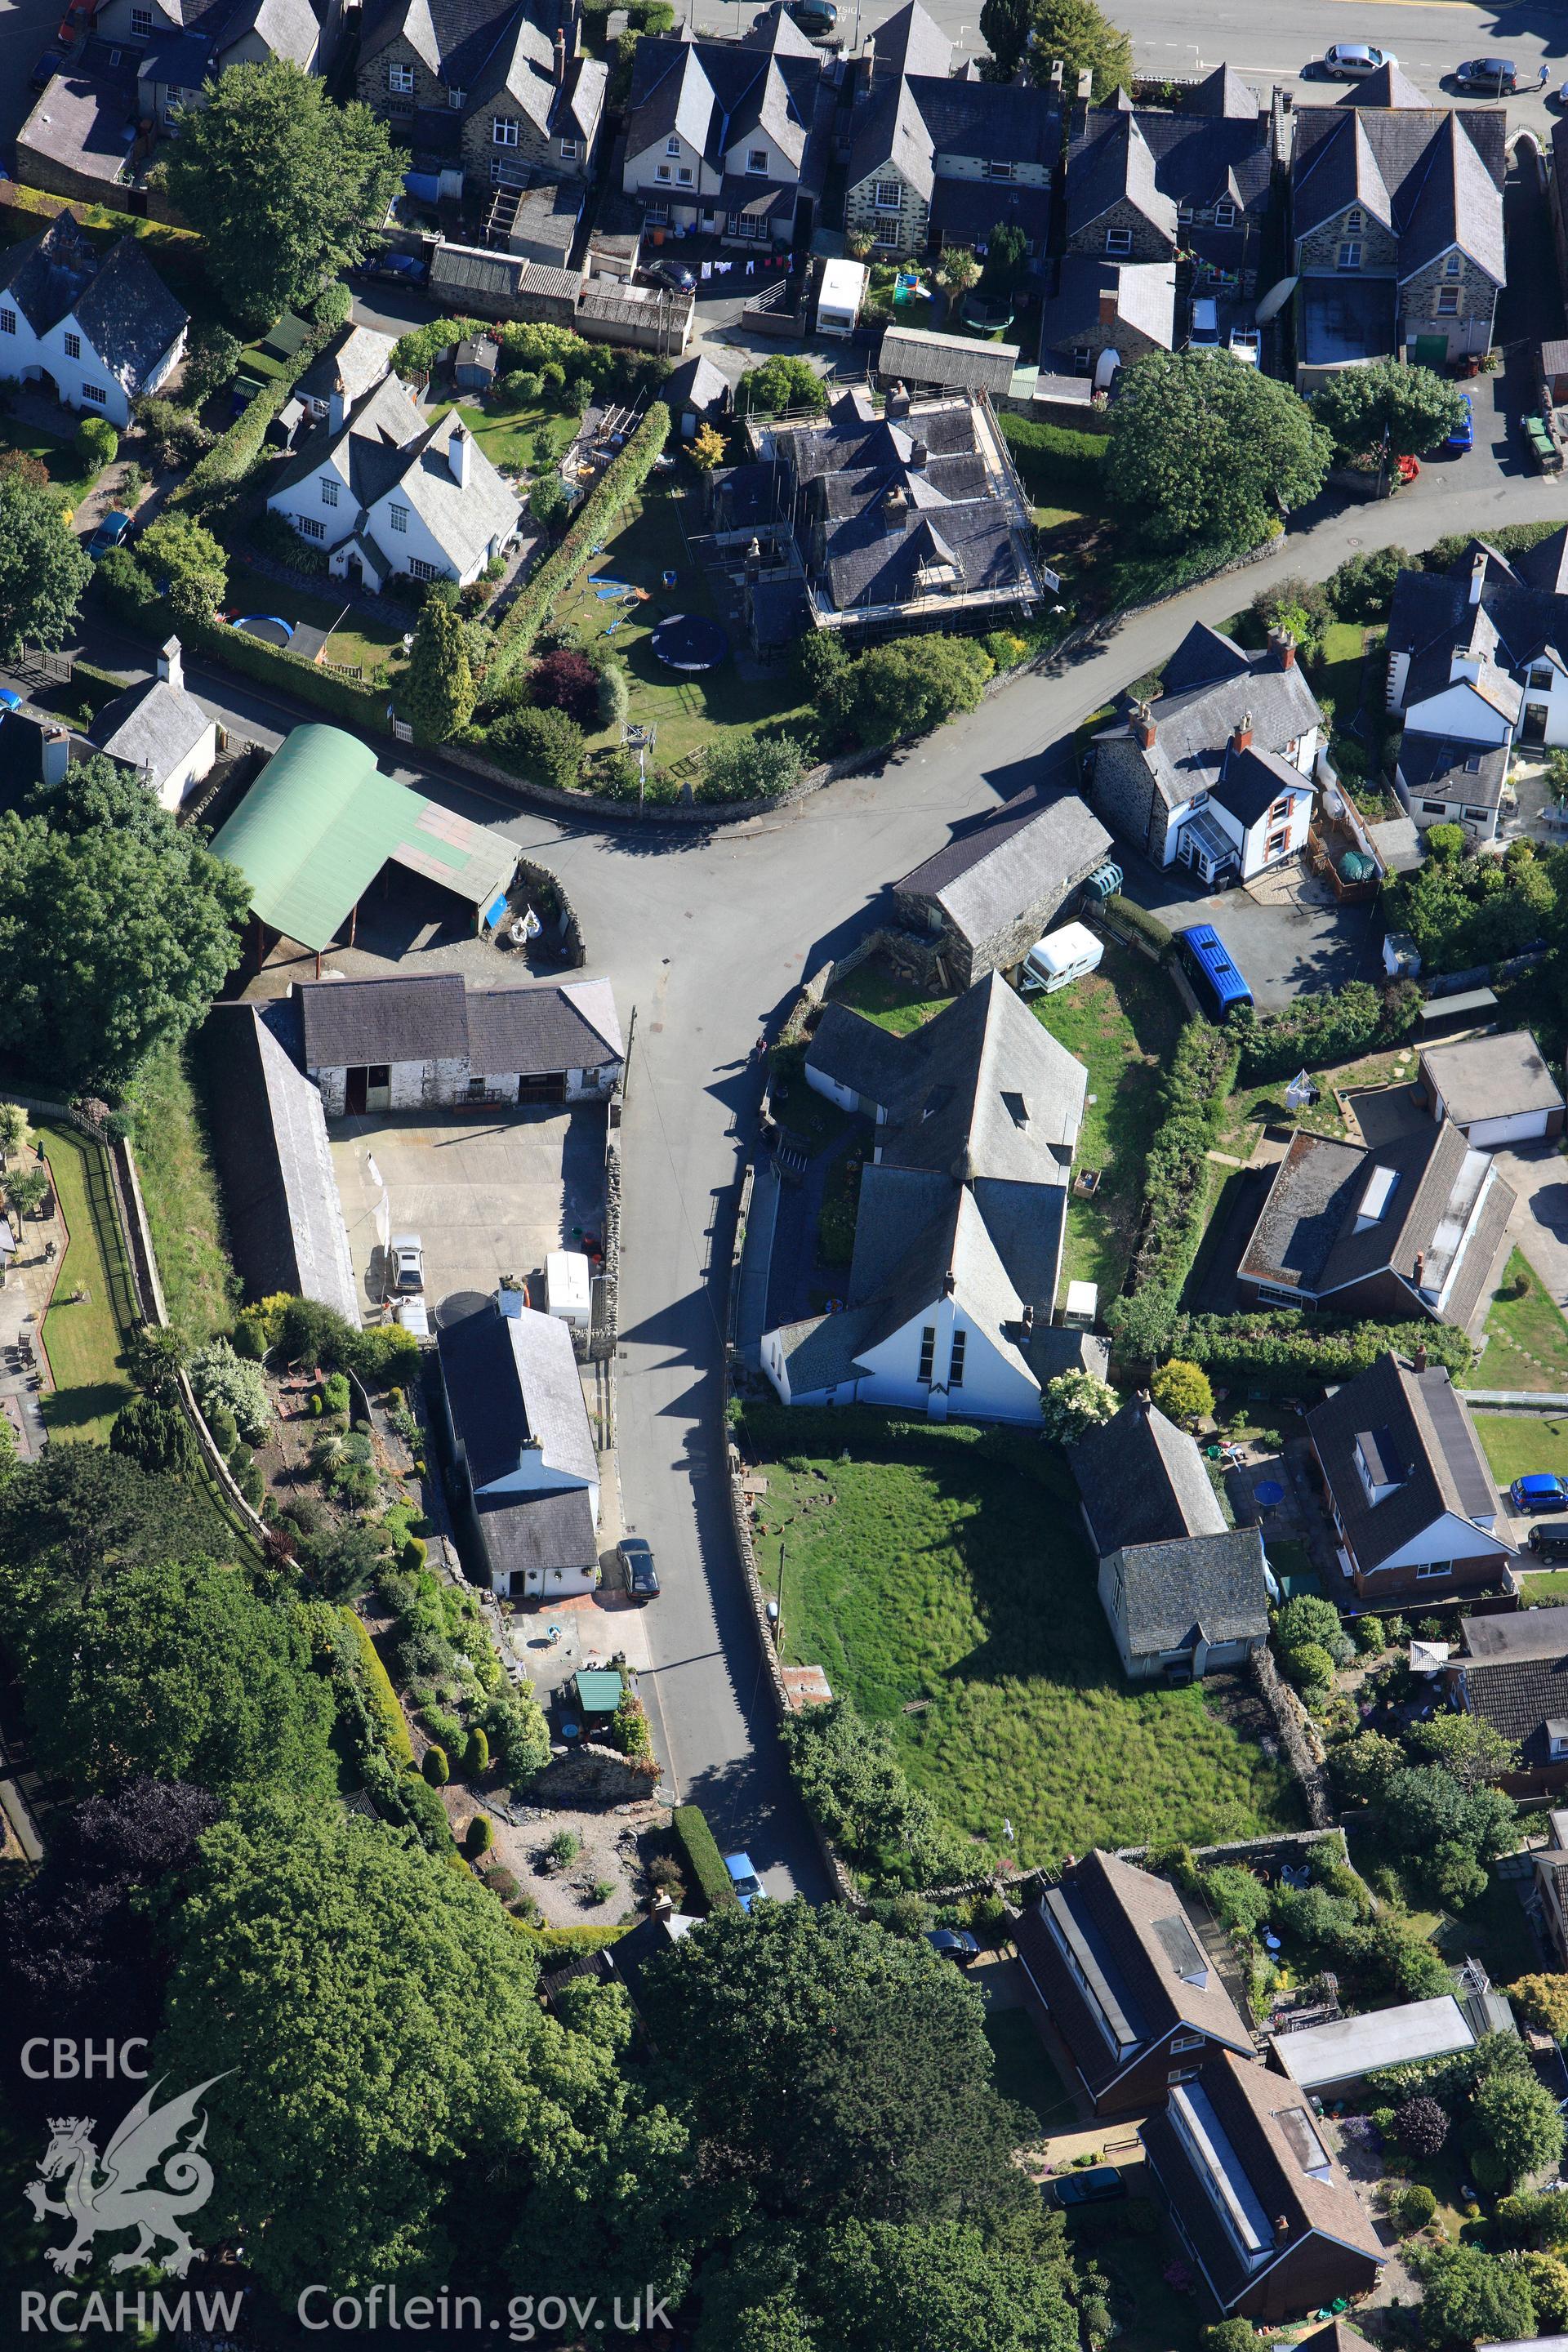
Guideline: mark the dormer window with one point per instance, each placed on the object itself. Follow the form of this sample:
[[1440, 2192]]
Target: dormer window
[[1378, 1463], [504, 130], [1540, 677], [457, 100], [1016, 1108], [569, 151], [1557, 1736], [1225, 215], [1184, 211]]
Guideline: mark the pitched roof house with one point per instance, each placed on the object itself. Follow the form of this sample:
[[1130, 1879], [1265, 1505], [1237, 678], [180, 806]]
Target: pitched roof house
[[102, 329], [493, 89], [1477, 660], [1114, 1956], [520, 1431], [191, 44], [1396, 228], [1412, 1496], [1413, 1228], [1183, 1592], [988, 896], [387, 492], [1262, 2205], [958, 1232], [723, 137], [161, 730], [1512, 1673], [1216, 773]]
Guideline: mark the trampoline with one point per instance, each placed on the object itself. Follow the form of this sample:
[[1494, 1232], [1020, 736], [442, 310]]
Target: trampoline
[[267, 627], [689, 641]]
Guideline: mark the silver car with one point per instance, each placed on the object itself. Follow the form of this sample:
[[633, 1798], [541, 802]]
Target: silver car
[[1354, 60], [406, 1262]]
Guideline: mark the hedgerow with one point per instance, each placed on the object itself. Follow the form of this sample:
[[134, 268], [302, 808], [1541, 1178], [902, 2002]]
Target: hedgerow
[[704, 1862], [1330, 1026], [1195, 1090], [1283, 1350], [1051, 458]]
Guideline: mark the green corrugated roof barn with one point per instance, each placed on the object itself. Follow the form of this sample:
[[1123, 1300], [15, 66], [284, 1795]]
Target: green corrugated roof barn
[[320, 823]]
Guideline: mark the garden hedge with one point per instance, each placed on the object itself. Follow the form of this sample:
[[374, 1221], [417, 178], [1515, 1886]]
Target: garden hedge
[[704, 1862], [236, 452], [1194, 1093], [1330, 1025], [380, 1696], [1283, 1351], [352, 704], [1134, 918], [595, 518], [569, 1940], [1052, 458]]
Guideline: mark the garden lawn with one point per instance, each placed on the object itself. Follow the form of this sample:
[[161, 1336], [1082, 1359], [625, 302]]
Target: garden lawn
[[1121, 1022], [69, 473], [1526, 1338], [686, 710], [518, 440], [1519, 1443], [84, 1342], [874, 989], [355, 637], [180, 1193], [1340, 668], [933, 1574]]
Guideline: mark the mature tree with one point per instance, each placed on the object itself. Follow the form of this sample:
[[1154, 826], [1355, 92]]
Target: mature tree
[[757, 769], [1420, 2124], [77, 1516], [186, 564], [97, 794], [112, 942], [1542, 2000], [1548, 2276], [78, 1955], [706, 447], [543, 745], [438, 692], [1310, 1618], [1006, 259], [1203, 449], [1182, 1390], [1471, 2296], [395, 2075], [957, 270], [157, 1437], [1073, 1402], [288, 188], [1448, 1832], [784, 381], [43, 569], [549, 500], [343, 1562], [213, 355], [912, 684], [1041, 31], [1513, 2120], [27, 1189], [613, 694], [1466, 1747], [1388, 405], [178, 1673], [833, 2071]]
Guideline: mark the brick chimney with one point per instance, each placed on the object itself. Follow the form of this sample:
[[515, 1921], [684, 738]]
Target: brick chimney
[[1420, 1269], [1108, 311], [1420, 1359], [560, 59], [920, 456], [1284, 644], [1241, 740], [1143, 728]]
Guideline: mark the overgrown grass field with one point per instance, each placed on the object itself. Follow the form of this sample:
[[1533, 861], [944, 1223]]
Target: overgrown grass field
[[950, 1594], [85, 1340], [1122, 1022], [180, 1193], [1526, 1338]]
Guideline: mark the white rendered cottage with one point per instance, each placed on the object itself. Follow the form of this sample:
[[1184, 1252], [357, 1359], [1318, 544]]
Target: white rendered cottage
[[100, 329]]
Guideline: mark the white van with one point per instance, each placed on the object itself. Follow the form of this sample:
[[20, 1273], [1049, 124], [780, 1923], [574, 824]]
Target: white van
[[1059, 957]]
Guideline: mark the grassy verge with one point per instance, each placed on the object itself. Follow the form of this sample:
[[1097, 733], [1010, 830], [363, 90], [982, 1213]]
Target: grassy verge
[[1526, 1338], [686, 710], [1122, 1022], [1518, 1442], [85, 1339], [180, 1192], [874, 990], [947, 1596]]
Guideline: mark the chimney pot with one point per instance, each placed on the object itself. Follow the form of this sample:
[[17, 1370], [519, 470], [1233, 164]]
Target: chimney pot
[[949, 1283], [1285, 646], [918, 457], [1143, 728], [1420, 1267], [1421, 1359], [560, 56], [1242, 739]]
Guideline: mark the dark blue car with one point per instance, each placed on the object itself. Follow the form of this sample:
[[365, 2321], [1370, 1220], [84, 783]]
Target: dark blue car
[[1463, 435], [1541, 1490]]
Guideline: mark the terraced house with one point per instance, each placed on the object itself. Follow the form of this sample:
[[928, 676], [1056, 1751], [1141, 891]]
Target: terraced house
[[501, 94], [1396, 228], [722, 136]]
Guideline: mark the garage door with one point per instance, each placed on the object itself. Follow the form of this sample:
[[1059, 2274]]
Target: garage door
[[1485, 1134]]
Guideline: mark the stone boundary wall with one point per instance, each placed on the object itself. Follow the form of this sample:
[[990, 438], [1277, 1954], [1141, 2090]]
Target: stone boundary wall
[[1302, 1749]]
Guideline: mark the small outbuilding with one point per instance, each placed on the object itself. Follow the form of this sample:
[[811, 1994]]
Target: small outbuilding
[[989, 895], [1334, 2061], [1495, 1090], [696, 393], [474, 364], [911, 356], [160, 728]]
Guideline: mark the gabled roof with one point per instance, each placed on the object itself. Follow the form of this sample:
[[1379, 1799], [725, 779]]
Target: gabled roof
[[1250, 781], [1389, 87], [990, 876], [991, 1092], [1143, 1481], [1210, 687], [1441, 767], [1174, 1594], [1225, 93], [351, 365], [699, 385], [1144, 293], [1432, 175], [909, 42], [1433, 1441], [155, 725], [514, 1388], [858, 1054], [1116, 166], [533, 1028], [121, 305]]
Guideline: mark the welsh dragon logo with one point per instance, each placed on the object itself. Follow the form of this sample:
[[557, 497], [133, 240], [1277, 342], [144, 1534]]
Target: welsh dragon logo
[[114, 2192]]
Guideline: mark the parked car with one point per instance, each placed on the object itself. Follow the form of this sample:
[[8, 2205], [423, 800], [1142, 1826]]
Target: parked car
[[673, 274], [1538, 1490], [635, 1556], [1496, 74], [815, 15], [111, 533], [1354, 60], [9, 699], [406, 268], [406, 1255], [955, 1944], [1096, 2186], [1550, 1540], [1204, 336], [1463, 435], [45, 70], [748, 1887]]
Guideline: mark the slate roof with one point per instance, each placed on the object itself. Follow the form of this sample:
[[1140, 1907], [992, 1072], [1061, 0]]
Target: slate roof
[[1207, 1588], [697, 385], [1267, 2128], [519, 1533], [967, 212], [858, 1054], [353, 364], [280, 1196], [986, 879], [153, 726], [952, 361], [908, 123], [714, 92], [1130, 1924], [535, 1028], [387, 446], [1491, 1077], [1440, 768], [1429, 1425], [1520, 617], [1210, 685], [1145, 291], [1433, 175], [121, 305], [1143, 1481], [1250, 781], [1520, 1696], [512, 1383], [908, 42]]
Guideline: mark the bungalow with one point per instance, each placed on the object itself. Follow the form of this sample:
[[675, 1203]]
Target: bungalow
[[400, 1044], [161, 730], [1495, 1090]]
